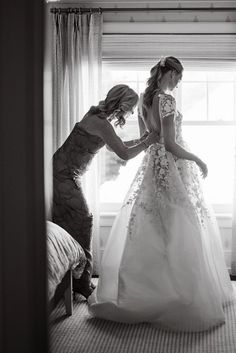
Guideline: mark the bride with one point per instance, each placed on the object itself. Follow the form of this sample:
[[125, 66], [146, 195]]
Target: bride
[[164, 261]]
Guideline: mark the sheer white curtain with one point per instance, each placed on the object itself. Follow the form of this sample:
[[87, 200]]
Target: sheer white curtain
[[76, 86]]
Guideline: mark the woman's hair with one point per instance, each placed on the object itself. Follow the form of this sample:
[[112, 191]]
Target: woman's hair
[[164, 65], [119, 100]]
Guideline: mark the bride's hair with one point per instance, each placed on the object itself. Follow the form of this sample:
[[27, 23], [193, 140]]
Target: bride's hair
[[164, 65], [119, 100]]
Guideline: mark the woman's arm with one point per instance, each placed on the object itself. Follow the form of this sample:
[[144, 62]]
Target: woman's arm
[[136, 141], [172, 146], [112, 140]]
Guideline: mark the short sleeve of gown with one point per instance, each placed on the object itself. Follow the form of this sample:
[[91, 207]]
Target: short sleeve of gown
[[167, 105]]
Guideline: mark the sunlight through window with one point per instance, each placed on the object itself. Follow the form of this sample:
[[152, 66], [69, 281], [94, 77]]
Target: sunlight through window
[[207, 101]]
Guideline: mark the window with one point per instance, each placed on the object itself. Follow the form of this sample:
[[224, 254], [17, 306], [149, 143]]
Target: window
[[206, 97]]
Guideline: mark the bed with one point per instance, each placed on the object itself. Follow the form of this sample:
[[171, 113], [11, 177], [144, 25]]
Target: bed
[[66, 258]]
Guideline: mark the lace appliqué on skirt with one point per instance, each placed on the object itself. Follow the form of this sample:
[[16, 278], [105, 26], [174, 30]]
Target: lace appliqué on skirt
[[175, 182]]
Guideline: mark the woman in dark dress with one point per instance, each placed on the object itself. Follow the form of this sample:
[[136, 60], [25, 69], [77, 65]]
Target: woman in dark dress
[[71, 160]]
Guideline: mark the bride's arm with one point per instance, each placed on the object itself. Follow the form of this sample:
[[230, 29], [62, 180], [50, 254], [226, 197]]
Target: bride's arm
[[142, 127], [172, 146]]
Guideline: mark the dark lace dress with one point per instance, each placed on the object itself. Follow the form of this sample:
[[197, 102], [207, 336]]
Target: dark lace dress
[[70, 209]]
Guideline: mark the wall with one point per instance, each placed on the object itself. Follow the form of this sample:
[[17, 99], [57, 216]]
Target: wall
[[23, 269], [150, 16], [48, 106]]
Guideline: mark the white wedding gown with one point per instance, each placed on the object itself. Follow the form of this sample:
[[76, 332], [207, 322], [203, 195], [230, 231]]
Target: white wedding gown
[[164, 262]]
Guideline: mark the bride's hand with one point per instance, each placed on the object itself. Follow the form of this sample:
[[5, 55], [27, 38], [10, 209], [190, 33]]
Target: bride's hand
[[203, 167]]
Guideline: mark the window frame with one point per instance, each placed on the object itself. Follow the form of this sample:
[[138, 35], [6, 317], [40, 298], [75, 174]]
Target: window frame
[[196, 65]]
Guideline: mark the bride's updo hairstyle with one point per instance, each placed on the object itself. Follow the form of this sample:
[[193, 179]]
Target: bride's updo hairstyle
[[119, 100], [167, 63]]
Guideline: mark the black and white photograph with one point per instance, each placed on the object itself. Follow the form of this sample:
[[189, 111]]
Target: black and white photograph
[[118, 176]]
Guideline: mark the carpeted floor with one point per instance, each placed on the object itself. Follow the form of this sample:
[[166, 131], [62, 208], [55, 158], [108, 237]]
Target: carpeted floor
[[80, 333]]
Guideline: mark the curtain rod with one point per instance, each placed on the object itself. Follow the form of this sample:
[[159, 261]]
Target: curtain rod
[[140, 9]]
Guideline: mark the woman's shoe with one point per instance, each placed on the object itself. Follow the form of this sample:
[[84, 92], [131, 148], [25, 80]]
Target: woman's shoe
[[85, 291]]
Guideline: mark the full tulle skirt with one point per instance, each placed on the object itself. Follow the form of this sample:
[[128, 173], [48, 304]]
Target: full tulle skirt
[[164, 261]]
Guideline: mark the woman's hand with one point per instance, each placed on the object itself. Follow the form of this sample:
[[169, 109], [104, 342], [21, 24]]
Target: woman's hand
[[203, 167], [152, 137], [144, 136]]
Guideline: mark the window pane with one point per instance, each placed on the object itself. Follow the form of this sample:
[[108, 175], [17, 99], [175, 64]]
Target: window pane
[[220, 76], [118, 174], [208, 95], [124, 76], [215, 145], [194, 101], [118, 178], [135, 79], [202, 96], [221, 101], [194, 76]]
